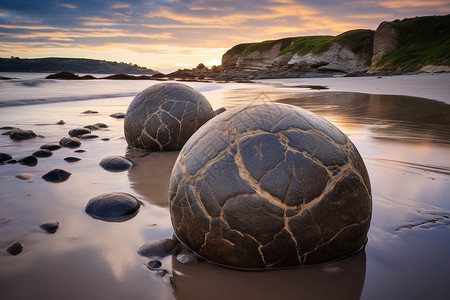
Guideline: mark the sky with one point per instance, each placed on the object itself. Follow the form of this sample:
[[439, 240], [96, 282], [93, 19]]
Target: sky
[[166, 35]]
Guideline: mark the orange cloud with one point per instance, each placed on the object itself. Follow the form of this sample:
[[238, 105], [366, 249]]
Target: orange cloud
[[67, 5], [120, 5], [412, 3]]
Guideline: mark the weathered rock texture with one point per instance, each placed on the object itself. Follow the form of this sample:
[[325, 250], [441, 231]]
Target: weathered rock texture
[[386, 39], [269, 186], [164, 116]]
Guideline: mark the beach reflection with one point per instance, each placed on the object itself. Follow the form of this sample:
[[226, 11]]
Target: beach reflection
[[343, 279], [402, 118], [150, 174]]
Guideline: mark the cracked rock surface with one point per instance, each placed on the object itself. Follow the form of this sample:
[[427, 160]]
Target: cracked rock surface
[[270, 186], [164, 116]]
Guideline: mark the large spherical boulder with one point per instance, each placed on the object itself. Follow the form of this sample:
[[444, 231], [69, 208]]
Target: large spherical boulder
[[270, 186], [164, 116]]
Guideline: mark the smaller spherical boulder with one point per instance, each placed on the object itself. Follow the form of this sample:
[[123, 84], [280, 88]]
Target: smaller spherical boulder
[[76, 132], [43, 153], [164, 116], [116, 163], [114, 207]]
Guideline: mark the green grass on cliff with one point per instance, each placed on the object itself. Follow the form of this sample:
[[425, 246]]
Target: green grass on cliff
[[357, 40], [422, 41]]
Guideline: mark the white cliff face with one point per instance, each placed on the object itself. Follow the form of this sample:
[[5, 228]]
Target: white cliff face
[[337, 58]]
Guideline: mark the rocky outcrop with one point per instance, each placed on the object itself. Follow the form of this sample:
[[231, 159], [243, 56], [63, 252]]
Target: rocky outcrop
[[386, 39]]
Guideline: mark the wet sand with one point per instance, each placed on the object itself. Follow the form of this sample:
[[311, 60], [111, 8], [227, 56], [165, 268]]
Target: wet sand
[[404, 141]]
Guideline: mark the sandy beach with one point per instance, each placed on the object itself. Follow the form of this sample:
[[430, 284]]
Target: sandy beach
[[400, 125]]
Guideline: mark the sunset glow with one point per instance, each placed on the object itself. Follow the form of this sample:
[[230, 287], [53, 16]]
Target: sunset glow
[[168, 34]]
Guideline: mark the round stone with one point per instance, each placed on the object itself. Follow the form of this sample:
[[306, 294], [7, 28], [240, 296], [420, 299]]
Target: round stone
[[270, 186], [15, 248], [116, 163], [28, 161], [56, 175], [43, 153], [50, 227], [164, 116], [76, 132], [5, 157], [51, 146], [20, 134], [71, 142], [71, 159], [116, 206], [158, 248]]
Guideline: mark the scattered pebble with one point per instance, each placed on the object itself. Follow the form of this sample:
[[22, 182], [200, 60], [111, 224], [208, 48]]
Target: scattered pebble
[[51, 146], [56, 175], [25, 176], [15, 248], [105, 139], [5, 157], [43, 153], [30, 161], [71, 142], [72, 159], [158, 248], [8, 128], [154, 264], [116, 163], [90, 112], [219, 111], [50, 227], [79, 131], [60, 122], [187, 258], [89, 136], [80, 151], [20, 134], [96, 126], [116, 206], [117, 115]]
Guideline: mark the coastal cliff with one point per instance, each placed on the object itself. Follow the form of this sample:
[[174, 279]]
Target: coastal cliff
[[420, 44]]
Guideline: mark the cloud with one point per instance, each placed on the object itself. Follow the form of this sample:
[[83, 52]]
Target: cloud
[[183, 28], [66, 5]]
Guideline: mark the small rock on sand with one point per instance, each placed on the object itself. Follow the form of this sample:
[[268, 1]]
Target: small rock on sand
[[96, 126], [20, 134], [71, 142], [50, 227], [154, 264], [117, 115], [61, 122], [89, 136], [116, 163], [56, 175], [43, 153], [5, 157], [15, 248], [158, 248], [116, 206], [25, 176], [79, 132], [51, 146], [89, 111], [72, 159], [80, 151], [30, 161]]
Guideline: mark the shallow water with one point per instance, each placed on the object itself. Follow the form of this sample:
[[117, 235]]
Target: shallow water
[[404, 142]]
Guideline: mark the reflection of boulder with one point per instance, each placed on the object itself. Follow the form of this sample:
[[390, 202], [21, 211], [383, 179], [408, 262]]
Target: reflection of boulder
[[150, 174], [343, 279], [388, 116]]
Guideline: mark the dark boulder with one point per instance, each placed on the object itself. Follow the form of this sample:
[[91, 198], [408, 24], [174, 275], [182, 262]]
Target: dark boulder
[[15, 248], [79, 132], [270, 186], [164, 116], [28, 161], [159, 248], [71, 142], [56, 176], [5, 157], [115, 207], [50, 227], [20, 134], [51, 146], [117, 115], [42, 153], [116, 163]]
